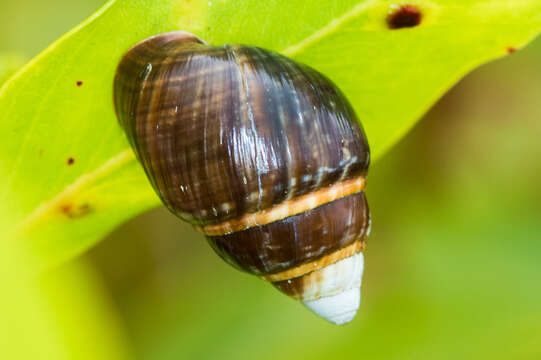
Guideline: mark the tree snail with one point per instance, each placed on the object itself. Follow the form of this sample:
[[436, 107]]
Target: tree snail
[[263, 155]]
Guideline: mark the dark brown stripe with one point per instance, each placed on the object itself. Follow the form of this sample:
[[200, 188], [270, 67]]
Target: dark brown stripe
[[290, 242]]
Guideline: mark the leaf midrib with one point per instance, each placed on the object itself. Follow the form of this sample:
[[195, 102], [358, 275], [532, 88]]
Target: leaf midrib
[[328, 29], [43, 209]]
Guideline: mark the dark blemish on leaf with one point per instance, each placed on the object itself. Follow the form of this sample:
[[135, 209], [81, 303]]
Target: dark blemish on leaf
[[79, 83], [70, 161], [66, 209], [511, 49], [75, 212], [404, 16]]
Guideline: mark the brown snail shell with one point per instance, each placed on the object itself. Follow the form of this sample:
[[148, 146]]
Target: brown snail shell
[[262, 154]]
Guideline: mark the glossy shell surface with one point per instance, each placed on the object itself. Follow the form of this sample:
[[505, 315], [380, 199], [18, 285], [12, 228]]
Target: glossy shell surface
[[263, 154]]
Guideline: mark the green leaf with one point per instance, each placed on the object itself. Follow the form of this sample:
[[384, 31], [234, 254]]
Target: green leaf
[[68, 174], [63, 315], [60, 315], [9, 64]]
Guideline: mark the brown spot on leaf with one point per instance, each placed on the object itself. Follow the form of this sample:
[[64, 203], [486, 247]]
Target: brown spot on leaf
[[70, 161], [74, 212], [511, 49], [79, 83], [66, 209], [404, 16]]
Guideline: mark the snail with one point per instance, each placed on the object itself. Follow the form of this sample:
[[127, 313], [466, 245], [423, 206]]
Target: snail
[[264, 155]]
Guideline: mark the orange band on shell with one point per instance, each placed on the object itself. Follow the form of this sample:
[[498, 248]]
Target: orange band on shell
[[288, 208], [327, 260]]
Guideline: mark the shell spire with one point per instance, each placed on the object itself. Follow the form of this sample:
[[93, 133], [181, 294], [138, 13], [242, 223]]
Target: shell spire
[[341, 302], [264, 155]]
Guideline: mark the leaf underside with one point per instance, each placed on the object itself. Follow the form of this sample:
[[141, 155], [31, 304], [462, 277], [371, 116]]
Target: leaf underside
[[68, 174]]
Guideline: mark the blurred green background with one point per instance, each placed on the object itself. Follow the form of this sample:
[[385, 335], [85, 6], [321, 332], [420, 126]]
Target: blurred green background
[[453, 266]]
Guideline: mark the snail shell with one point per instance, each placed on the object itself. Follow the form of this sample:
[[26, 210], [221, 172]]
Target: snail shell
[[262, 154]]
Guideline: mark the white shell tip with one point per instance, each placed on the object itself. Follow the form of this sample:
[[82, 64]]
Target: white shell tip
[[339, 290], [338, 309]]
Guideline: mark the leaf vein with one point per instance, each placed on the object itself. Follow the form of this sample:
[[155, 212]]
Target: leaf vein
[[45, 208], [328, 29]]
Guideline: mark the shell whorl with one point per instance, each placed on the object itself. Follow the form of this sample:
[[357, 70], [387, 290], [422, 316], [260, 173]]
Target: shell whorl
[[262, 154]]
